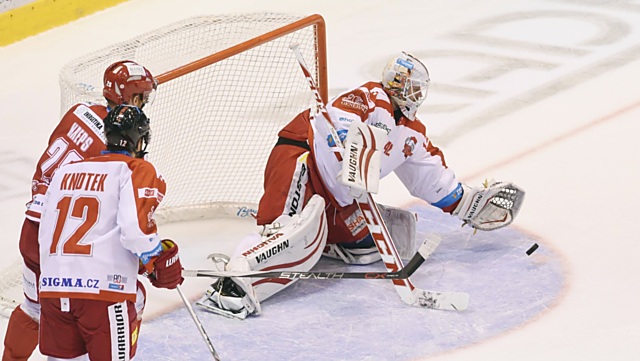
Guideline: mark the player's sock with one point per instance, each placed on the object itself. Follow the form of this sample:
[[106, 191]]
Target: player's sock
[[21, 337]]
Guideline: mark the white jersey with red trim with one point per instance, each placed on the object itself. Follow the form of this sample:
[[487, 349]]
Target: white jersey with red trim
[[79, 135], [96, 225], [409, 152]]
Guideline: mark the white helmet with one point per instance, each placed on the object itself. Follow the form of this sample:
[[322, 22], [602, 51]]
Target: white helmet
[[406, 80]]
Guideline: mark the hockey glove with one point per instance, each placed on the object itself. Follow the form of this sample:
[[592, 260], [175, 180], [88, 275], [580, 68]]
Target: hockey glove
[[167, 272], [490, 207]]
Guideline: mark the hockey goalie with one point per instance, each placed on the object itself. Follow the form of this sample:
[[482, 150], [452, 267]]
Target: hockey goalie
[[309, 207]]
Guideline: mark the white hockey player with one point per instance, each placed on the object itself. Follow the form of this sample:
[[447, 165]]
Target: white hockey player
[[77, 136], [308, 206], [97, 234]]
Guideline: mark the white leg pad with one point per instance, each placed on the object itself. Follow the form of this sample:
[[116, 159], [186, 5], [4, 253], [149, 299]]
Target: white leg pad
[[402, 226], [296, 246]]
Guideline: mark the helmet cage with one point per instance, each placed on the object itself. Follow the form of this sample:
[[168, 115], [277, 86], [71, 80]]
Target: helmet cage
[[406, 80]]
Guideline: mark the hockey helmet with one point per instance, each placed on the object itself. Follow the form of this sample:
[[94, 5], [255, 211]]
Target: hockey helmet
[[406, 80], [124, 79], [127, 127]]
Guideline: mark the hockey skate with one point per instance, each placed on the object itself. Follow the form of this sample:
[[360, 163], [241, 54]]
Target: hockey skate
[[229, 296]]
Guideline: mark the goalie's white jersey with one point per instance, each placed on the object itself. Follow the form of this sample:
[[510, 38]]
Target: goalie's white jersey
[[417, 163], [96, 225]]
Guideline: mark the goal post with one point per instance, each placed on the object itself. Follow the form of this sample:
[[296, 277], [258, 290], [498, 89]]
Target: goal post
[[227, 84]]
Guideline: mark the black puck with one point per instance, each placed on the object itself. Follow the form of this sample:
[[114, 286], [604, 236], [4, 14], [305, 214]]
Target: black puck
[[532, 249]]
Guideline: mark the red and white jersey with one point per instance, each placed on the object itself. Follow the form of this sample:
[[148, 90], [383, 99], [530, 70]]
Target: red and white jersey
[[409, 152], [79, 135], [97, 223]]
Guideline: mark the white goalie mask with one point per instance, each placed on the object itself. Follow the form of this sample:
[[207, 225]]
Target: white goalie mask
[[406, 80]]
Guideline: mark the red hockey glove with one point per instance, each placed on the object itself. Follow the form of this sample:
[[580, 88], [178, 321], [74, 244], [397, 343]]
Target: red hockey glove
[[167, 272]]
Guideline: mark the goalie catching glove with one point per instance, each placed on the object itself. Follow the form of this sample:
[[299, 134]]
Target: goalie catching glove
[[490, 207], [167, 271]]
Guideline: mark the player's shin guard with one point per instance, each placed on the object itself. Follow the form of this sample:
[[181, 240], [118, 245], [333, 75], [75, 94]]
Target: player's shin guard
[[21, 337]]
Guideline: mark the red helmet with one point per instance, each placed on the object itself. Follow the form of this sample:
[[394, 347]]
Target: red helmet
[[124, 79]]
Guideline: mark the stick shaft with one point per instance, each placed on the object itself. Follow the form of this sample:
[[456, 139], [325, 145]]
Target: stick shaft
[[198, 324]]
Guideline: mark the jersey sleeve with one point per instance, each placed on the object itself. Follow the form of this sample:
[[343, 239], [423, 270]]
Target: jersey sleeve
[[141, 195], [425, 173]]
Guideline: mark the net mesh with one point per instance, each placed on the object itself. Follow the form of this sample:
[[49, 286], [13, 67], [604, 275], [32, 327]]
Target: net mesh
[[213, 128], [214, 125]]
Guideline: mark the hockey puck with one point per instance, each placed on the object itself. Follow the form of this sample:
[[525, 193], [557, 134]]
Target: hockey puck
[[532, 249]]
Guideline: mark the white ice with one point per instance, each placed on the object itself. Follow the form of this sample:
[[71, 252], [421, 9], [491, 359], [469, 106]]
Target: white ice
[[544, 93]]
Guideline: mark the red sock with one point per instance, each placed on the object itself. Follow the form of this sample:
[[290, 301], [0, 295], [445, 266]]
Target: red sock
[[21, 337]]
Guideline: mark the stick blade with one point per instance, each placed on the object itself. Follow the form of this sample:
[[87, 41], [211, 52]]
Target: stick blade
[[429, 245]]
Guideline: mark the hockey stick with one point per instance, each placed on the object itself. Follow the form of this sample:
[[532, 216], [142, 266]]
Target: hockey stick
[[430, 299], [198, 324], [428, 246], [387, 249]]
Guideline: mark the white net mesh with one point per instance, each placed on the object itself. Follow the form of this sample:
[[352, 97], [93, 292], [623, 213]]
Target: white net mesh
[[213, 128], [214, 125]]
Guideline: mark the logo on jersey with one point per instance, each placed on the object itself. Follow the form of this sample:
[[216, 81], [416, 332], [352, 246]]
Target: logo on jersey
[[342, 133], [91, 119], [382, 126], [387, 148], [116, 282], [356, 222], [409, 146], [345, 119], [150, 193], [355, 102], [68, 282]]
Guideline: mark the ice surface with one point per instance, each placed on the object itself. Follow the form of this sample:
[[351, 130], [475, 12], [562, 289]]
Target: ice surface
[[365, 319]]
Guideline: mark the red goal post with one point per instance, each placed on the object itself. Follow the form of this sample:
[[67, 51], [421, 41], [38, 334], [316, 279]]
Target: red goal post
[[227, 84]]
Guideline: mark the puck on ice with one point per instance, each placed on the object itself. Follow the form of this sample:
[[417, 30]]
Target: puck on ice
[[532, 249]]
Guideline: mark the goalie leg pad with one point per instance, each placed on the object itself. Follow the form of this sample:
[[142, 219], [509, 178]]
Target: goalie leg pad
[[289, 244], [401, 224]]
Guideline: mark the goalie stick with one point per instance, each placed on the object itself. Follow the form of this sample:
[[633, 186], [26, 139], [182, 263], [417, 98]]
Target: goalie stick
[[387, 249], [428, 299]]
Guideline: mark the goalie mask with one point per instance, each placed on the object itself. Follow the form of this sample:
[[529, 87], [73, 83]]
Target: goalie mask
[[406, 80], [124, 79], [127, 128]]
